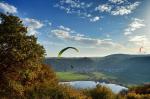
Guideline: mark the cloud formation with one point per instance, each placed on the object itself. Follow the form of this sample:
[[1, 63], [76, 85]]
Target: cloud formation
[[140, 40], [5, 7], [74, 7], [90, 10], [94, 19], [125, 10], [82, 9], [135, 38], [33, 25], [134, 25], [82, 39], [64, 28], [117, 1], [104, 8]]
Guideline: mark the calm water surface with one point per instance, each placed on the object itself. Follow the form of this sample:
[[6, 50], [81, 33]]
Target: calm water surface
[[92, 84]]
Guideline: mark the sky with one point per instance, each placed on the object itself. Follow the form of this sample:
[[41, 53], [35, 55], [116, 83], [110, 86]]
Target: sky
[[95, 27]]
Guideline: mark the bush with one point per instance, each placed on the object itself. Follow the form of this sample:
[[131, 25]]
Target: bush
[[44, 77], [137, 96], [143, 89], [55, 92], [137, 92], [100, 92]]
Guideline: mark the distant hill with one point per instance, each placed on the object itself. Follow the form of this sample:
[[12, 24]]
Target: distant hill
[[129, 69]]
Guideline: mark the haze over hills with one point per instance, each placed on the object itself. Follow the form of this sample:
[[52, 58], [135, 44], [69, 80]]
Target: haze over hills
[[128, 69]]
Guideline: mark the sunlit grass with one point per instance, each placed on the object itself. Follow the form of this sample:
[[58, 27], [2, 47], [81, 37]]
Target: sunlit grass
[[100, 75], [71, 76]]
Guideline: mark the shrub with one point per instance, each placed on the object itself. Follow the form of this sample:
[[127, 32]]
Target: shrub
[[54, 92], [100, 92], [143, 89]]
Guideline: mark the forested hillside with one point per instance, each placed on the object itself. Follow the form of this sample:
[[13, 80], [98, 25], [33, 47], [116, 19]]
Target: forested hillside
[[129, 69]]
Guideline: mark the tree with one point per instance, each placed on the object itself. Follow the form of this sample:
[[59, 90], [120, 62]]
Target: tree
[[16, 47], [21, 59]]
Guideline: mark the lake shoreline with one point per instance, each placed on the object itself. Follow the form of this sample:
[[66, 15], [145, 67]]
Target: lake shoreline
[[99, 81], [92, 84]]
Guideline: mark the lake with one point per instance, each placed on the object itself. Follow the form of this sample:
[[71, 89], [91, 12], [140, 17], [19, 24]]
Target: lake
[[92, 84]]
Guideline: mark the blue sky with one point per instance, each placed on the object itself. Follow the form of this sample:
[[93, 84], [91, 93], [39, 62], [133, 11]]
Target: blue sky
[[95, 27]]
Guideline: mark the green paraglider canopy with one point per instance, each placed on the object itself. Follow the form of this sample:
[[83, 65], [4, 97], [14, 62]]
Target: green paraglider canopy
[[63, 50]]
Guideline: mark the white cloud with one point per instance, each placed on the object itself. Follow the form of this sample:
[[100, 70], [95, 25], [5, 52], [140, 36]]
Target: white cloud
[[64, 28], [33, 25], [82, 39], [61, 34], [50, 24], [80, 35], [134, 25], [124, 10], [72, 3], [140, 40], [8, 8], [88, 10], [136, 35], [117, 1], [104, 8], [81, 9], [75, 3], [94, 19]]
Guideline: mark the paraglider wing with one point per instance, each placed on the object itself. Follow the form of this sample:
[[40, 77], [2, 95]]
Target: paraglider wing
[[63, 50]]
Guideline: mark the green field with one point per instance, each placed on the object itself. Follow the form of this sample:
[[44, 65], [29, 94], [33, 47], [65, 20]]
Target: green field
[[72, 76], [69, 76]]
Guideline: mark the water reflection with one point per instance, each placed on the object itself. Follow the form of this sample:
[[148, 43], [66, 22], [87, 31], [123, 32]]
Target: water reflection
[[92, 84]]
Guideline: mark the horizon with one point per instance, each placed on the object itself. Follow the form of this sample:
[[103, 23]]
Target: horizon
[[100, 56], [97, 28]]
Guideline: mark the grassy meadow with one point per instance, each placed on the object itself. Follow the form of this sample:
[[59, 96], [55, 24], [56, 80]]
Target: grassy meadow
[[72, 76]]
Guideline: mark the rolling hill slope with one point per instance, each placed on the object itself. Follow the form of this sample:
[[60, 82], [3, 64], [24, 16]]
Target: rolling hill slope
[[128, 69]]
